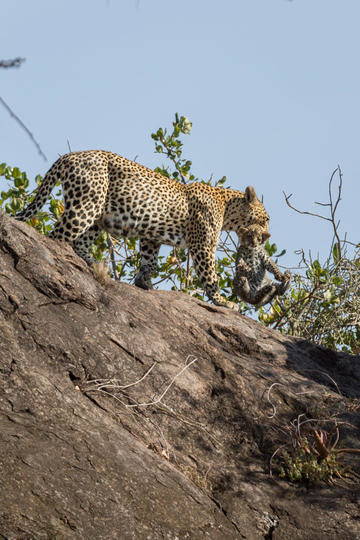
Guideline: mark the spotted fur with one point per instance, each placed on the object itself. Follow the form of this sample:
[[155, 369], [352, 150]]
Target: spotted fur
[[251, 283], [104, 191]]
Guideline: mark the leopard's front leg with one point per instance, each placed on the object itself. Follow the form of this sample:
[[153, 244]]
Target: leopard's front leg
[[204, 263]]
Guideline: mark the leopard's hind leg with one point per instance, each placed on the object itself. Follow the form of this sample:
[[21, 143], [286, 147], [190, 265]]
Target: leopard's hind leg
[[78, 224], [149, 258]]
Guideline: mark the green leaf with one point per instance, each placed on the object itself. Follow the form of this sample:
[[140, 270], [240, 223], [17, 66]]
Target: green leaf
[[336, 253], [337, 280], [16, 173], [18, 181]]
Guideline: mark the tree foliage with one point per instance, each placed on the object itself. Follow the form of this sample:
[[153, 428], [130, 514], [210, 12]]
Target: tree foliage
[[323, 304]]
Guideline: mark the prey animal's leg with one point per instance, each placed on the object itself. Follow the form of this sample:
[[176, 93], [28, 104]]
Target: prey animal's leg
[[242, 288], [241, 282], [265, 295], [283, 286], [258, 297]]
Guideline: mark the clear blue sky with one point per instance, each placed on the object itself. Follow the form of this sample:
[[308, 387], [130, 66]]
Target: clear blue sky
[[272, 88]]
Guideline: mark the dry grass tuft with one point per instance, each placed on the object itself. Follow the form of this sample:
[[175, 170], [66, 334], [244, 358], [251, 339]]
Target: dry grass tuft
[[102, 273]]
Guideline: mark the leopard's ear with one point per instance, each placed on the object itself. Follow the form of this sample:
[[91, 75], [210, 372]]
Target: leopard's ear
[[265, 236], [243, 230], [250, 194]]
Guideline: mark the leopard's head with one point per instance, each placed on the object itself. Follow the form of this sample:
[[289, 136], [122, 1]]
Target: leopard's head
[[245, 211]]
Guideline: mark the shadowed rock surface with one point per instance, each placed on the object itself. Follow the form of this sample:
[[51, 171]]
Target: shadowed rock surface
[[78, 461]]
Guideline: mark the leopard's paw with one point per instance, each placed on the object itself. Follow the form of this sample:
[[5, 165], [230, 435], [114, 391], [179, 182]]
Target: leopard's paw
[[143, 280], [221, 302]]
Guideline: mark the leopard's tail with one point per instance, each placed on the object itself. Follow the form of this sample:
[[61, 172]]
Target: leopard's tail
[[42, 195]]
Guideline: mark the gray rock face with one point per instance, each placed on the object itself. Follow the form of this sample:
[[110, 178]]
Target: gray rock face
[[173, 437]]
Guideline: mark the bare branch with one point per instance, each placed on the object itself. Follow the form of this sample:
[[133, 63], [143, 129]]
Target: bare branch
[[11, 112], [110, 247], [326, 375], [158, 399], [334, 207], [188, 269], [15, 62], [322, 203], [287, 198], [338, 169], [273, 415], [114, 384]]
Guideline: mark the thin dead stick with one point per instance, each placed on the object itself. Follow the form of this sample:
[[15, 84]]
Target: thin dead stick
[[157, 400], [225, 248], [13, 115], [110, 246], [268, 391], [196, 291], [334, 207], [188, 269], [331, 204], [310, 295], [268, 398], [194, 424], [110, 383], [331, 419], [161, 280], [326, 375], [274, 454], [223, 243], [15, 62], [287, 199], [109, 395]]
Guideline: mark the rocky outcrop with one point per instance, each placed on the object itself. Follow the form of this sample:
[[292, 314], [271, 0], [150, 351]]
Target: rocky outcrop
[[131, 414]]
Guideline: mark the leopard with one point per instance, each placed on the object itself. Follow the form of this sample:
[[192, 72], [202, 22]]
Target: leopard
[[104, 191], [251, 283]]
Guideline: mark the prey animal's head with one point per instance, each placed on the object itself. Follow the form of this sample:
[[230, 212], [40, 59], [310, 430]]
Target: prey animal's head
[[252, 236]]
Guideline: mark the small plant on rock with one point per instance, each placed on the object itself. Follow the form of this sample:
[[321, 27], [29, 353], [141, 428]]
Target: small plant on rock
[[315, 456]]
